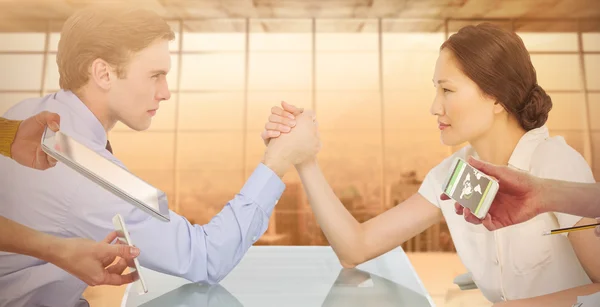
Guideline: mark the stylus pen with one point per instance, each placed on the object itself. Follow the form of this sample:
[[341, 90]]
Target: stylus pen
[[569, 229]]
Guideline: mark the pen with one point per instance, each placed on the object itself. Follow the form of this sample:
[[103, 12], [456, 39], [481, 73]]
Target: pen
[[569, 229]]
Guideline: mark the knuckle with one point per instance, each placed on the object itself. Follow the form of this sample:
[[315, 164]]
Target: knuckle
[[274, 118]]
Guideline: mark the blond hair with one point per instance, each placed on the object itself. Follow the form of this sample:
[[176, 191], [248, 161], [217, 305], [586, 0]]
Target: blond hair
[[111, 33]]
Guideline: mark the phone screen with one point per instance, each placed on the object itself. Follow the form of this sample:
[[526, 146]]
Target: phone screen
[[468, 186]]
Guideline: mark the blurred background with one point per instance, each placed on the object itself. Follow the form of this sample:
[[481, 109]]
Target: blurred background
[[364, 66]]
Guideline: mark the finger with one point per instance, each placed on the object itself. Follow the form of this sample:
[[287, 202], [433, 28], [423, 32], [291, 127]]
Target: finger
[[118, 267], [272, 133], [458, 208], [597, 231], [110, 237], [277, 127], [267, 135], [283, 113], [469, 217], [49, 119], [282, 120], [291, 108], [487, 223], [118, 280], [444, 196], [51, 161], [41, 160], [122, 250], [278, 111]]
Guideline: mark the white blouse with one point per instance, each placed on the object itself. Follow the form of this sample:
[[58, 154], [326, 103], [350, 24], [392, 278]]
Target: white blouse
[[518, 262]]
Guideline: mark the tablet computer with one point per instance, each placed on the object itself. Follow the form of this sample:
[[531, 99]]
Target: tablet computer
[[106, 173]]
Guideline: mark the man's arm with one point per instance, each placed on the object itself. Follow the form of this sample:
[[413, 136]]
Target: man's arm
[[21, 140], [85, 259], [199, 253], [581, 199], [39, 245]]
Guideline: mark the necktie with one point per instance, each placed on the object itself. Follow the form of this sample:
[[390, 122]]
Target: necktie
[[108, 147]]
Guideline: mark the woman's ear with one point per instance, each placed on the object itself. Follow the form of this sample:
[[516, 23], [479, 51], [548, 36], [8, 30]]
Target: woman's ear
[[498, 108]]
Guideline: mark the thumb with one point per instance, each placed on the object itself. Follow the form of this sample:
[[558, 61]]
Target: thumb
[[484, 167], [49, 119], [291, 108], [124, 251], [444, 196]]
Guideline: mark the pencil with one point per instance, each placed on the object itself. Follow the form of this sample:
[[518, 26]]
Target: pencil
[[569, 229]]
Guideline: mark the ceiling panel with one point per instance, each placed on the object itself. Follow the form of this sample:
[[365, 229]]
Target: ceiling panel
[[31, 15]]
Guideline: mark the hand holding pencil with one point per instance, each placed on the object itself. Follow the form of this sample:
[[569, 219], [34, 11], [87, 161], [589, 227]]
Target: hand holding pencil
[[576, 228]]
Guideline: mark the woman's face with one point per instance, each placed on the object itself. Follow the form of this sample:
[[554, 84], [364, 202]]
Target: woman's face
[[464, 113]]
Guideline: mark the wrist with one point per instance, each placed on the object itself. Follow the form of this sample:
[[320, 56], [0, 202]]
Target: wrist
[[547, 191], [307, 165], [278, 165], [49, 248]]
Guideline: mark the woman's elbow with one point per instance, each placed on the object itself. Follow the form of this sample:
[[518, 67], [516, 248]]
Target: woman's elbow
[[351, 261], [348, 265]]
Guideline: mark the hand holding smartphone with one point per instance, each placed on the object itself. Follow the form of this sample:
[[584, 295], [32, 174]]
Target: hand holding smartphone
[[123, 237], [470, 188]]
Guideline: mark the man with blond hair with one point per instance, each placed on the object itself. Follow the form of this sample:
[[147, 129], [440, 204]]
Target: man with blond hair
[[113, 65]]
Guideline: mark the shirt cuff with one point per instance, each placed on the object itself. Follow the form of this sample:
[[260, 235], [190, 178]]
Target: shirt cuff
[[8, 131], [264, 188]]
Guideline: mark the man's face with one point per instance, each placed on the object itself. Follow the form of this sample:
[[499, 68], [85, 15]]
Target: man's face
[[135, 99]]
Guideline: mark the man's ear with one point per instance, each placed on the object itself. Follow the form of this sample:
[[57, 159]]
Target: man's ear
[[101, 73]]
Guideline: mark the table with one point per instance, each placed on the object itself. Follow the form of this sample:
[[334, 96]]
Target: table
[[292, 276]]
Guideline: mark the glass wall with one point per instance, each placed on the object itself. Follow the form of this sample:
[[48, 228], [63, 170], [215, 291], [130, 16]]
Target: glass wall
[[368, 80]]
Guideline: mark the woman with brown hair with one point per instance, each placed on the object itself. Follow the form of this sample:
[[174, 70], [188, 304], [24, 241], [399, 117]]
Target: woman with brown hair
[[488, 96]]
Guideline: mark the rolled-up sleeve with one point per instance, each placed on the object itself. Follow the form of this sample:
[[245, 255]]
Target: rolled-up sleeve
[[199, 253]]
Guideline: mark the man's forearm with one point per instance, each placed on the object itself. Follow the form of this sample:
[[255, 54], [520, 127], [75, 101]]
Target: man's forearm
[[581, 199], [20, 239]]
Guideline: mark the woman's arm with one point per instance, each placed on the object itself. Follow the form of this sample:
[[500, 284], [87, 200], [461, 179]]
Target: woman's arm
[[353, 242]]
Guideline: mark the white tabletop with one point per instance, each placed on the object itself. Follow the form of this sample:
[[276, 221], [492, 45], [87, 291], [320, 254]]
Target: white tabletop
[[292, 276]]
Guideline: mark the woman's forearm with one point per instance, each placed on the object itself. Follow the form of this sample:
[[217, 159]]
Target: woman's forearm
[[343, 231]]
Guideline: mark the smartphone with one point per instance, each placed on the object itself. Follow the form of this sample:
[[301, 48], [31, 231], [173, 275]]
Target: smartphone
[[123, 236], [470, 188]]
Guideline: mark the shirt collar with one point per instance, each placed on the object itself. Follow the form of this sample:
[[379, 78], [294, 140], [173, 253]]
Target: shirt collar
[[89, 126], [523, 152]]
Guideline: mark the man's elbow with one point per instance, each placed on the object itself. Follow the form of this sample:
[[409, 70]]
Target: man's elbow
[[208, 280]]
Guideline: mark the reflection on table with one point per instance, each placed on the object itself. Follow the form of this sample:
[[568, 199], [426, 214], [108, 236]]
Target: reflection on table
[[293, 276]]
